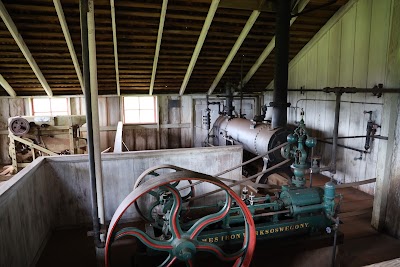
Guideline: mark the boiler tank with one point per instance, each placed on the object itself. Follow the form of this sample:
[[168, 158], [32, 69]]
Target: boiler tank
[[255, 138]]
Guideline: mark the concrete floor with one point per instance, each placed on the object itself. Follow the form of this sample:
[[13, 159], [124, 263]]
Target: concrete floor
[[362, 244]]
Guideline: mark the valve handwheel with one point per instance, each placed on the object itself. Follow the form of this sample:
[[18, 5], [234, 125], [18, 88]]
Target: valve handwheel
[[183, 245]]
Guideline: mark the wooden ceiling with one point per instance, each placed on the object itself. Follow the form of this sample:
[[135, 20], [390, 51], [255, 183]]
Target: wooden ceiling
[[137, 24]]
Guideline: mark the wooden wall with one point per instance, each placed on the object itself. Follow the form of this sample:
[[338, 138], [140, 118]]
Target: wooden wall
[[174, 129], [28, 203], [55, 192], [351, 50]]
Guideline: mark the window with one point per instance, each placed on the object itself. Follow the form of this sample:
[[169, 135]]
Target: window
[[49, 106], [140, 109]]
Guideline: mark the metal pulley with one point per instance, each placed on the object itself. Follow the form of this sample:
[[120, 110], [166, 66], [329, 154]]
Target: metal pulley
[[19, 126]]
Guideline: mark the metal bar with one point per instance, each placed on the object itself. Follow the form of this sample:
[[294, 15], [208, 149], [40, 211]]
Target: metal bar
[[360, 136], [368, 181], [199, 45], [335, 133], [7, 86], [83, 7], [271, 213], [158, 45], [64, 27], [24, 49], [242, 181], [237, 166], [339, 145], [239, 41], [115, 43]]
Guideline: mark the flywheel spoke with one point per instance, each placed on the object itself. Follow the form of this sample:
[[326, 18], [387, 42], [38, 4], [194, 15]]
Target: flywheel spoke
[[209, 219], [144, 238], [175, 210], [169, 261]]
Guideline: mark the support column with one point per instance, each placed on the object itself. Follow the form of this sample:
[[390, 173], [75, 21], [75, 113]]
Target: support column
[[279, 104], [96, 206]]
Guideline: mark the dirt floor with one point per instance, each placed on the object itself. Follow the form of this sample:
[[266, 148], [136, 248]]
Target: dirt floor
[[362, 245]]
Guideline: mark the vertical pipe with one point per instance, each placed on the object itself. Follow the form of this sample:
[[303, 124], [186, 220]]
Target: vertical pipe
[[95, 109], [279, 104], [83, 8], [335, 133]]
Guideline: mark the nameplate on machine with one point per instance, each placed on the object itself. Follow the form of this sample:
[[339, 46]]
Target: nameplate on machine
[[262, 231]]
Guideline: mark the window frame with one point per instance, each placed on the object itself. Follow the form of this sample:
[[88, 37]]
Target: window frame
[[51, 110], [123, 110]]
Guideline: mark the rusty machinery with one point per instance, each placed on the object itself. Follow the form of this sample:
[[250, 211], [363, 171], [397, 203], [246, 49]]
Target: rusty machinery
[[176, 229], [33, 136]]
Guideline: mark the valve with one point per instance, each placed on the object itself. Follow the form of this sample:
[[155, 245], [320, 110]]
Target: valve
[[296, 149]]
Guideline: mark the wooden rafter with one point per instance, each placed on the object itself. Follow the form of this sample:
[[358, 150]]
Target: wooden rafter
[[115, 43], [158, 45], [299, 7], [24, 49], [199, 45], [249, 24], [64, 27], [7, 86]]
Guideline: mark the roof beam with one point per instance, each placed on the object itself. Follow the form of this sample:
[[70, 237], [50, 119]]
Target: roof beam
[[249, 24], [7, 86], [298, 8], [64, 27], [199, 45], [24, 49], [159, 38], [115, 42], [262, 5]]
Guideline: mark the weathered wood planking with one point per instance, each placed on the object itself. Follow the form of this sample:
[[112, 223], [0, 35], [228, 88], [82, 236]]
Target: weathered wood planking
[[392, 220], [352, 52], [187, 117], [120, 172], [28, 204]]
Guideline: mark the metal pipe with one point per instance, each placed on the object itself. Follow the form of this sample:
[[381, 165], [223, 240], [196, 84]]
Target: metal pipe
[[83, 7], [351, 90], [335, 133], [347, 147], [328, 100], [279, 110], [360, 136]]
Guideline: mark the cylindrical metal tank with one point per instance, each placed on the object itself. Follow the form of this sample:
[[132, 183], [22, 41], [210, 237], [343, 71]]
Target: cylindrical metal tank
[[255, 138]]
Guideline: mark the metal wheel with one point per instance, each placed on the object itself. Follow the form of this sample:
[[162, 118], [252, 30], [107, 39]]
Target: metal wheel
[[147, 213], [183, 244], [19, 126]]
